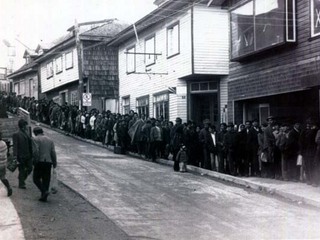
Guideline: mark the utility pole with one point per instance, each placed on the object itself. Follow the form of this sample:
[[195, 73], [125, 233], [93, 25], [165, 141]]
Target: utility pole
[[79, 53]]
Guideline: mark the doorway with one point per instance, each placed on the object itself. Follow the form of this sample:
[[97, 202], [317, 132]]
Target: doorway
[[205, 106]]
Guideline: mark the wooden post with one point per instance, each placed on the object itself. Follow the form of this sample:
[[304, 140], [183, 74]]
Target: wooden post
[[79, 53]]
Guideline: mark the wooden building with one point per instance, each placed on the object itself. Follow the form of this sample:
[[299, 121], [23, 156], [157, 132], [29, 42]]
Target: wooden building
[[275, 58], [174, 61], [80, 62]]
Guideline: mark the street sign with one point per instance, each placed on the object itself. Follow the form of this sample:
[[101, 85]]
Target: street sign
[[86, 99]]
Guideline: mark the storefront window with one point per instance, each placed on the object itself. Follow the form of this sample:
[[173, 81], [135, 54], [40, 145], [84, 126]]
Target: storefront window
[[261, 24], [126, 105], [161, 106], [143, 106]]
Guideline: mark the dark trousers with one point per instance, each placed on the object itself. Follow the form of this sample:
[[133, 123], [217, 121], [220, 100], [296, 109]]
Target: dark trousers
[[232, 162], [206, 159], [155, 149], [25, 168], [42, 175], [221, 161]]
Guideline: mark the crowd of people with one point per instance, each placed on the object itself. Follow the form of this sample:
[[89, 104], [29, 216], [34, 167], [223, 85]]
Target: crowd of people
[[290, 152]]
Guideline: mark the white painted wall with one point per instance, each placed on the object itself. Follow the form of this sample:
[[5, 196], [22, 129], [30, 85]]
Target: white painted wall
[[211, 40], [137, 85], [59, 79]]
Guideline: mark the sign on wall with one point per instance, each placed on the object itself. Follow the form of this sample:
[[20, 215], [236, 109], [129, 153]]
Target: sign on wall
[[86, 99]]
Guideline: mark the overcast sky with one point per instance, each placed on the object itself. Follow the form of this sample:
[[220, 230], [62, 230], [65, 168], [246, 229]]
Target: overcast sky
[[28, 22]]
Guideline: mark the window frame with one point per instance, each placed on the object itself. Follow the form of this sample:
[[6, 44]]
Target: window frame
[[146, 106], [68, 64], [57, 60], [125, 104], [312, 28], [288, 30], [131, 69], [49, 67], [153, 57], [161, 103], [170, 40]]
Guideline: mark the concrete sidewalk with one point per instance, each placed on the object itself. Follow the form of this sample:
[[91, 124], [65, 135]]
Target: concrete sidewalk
[[300, 193], [10, 225]]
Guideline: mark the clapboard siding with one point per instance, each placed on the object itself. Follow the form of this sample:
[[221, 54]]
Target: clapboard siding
[[173, 68], [62, 78], [211, 40]]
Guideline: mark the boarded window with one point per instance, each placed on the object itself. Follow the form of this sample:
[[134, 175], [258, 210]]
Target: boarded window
[[69, 60], [59, 64], [49, 69], [150, 48], [131, 60]]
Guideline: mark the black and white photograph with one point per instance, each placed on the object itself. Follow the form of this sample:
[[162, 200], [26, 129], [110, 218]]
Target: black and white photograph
[[159, 119]]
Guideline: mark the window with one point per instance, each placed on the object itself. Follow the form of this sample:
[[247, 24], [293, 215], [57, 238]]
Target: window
[[74, 98], [143, 106], [204, 87], [315, 18], [260, 24], [150, 48], [131, 60], [161, 106], [126, 105], [173, 40], [59, 64], [69, 60], [22, 88], [49, 69]]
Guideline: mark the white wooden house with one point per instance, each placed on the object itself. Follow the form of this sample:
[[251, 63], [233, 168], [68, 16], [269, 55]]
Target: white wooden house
[[60, 66], [174, 61]]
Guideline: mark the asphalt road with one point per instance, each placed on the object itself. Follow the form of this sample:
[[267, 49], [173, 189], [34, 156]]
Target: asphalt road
[[150, 201]]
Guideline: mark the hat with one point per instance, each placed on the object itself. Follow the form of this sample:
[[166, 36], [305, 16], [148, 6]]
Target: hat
[[270, 117], [37, 130]]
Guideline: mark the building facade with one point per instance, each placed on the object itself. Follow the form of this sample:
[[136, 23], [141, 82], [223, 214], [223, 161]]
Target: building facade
[[174, 62], [25, 80], [82, 52], [275, 60]]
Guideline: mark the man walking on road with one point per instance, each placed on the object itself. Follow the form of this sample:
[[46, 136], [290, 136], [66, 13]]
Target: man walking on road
[[22, 151], [43, 160]]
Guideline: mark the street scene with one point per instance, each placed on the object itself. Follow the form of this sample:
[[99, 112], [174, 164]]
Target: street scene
[[137, 199], [160, 119]]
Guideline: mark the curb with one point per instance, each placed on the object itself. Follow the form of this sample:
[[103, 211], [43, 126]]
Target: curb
[[204, 172]]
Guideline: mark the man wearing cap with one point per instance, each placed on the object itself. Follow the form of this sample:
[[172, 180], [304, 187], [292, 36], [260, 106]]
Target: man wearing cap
[[22, 151], [176, 136], [44, 159]]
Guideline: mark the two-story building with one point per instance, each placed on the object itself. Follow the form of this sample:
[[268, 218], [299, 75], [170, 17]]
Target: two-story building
[[275, 58], [82, 52], [25, 80], [174, 61]]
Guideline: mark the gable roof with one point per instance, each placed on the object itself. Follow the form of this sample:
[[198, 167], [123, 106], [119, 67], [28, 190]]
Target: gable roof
[[26, 68]]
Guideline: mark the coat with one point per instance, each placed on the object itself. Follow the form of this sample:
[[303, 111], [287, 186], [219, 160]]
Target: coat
[[3, 159], [45, 150], [22, 146]]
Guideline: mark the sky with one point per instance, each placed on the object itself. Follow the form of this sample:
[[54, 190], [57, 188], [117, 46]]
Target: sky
[[26, 23]]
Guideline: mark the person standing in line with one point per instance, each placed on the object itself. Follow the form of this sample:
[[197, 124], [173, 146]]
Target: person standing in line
[[3, 165], [222, 168], [308, 148], [242, 163], [22, 151], [206, 142], [176, 136], [44, 159], [230, 144], [156, 137], [267, 168], [293, 152]]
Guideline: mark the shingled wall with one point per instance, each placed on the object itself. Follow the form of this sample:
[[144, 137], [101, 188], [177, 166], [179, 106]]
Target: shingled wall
[[100, 67], [281, 70]]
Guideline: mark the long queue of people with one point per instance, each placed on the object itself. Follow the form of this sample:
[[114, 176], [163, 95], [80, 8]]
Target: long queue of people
[[290, 152]]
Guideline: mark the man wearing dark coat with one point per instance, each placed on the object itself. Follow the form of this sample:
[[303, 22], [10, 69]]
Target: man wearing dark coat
[[206, 142], [267, 168], [176, 136], [22, 151], [293, 151], [230, 144]]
